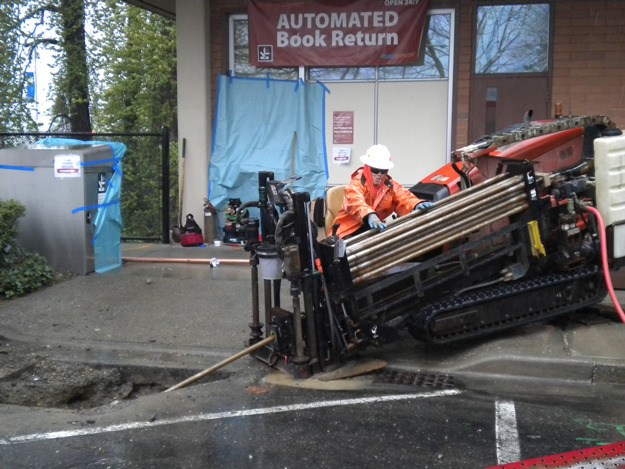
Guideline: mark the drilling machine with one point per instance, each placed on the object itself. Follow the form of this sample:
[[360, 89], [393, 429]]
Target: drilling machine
[[512, 238]]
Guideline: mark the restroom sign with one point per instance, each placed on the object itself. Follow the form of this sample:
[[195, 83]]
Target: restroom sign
[[102, 184], [290, 33]]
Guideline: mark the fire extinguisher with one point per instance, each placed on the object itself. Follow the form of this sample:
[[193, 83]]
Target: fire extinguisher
[[210, 222]]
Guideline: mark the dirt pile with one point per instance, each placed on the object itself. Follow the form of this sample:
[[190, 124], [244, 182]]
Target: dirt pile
[[39, 382], [34, 379]]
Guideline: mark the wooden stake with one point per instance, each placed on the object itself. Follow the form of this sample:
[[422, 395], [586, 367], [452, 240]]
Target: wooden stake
[[221, 364]]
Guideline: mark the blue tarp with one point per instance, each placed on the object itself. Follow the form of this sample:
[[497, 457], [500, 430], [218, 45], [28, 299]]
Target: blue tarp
[[267, 125], [108, 221]]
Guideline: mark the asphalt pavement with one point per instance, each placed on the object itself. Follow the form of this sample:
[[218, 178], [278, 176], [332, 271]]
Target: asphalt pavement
[[191, 314]]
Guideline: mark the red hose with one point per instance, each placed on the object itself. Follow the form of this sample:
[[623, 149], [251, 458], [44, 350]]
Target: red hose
[[604, 261]]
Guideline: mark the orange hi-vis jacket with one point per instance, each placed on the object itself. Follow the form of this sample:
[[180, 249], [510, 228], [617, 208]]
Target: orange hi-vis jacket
[[358, 203]]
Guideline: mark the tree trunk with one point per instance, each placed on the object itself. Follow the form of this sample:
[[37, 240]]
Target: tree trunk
[[76, 77]]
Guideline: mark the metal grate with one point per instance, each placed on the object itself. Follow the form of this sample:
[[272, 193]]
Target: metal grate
[[416, 378]]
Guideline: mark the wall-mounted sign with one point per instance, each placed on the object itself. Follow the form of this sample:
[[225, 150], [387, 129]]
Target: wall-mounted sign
[[330, 33], [67, 166], [343, 127], [341, 155], [102, 185]]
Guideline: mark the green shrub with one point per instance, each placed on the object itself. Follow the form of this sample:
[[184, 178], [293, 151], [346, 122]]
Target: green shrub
[[21, 272]]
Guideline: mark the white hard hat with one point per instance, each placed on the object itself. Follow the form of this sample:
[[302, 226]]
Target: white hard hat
[[378, 156]]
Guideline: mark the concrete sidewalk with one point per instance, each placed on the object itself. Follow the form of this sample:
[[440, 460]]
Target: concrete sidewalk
[[189, 314]]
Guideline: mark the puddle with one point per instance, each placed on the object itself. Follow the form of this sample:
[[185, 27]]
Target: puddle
[[53, 384]]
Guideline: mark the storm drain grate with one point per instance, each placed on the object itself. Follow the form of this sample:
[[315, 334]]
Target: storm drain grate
[[416, 378]]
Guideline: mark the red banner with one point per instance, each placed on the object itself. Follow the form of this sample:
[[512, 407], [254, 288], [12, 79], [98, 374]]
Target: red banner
[[335, 33]]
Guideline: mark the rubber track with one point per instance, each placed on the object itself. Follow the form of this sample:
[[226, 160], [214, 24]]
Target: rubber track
[[479, 321]]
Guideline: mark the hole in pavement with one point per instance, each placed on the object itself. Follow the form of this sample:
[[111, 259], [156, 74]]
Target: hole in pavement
[[46, 383]]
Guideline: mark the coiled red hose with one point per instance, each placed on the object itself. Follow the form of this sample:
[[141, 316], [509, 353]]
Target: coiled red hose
[[604, 261]]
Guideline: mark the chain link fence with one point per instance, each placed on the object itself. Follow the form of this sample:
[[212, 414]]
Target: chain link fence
[[149, 196]]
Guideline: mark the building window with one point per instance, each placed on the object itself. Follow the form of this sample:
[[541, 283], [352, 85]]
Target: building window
[[240, 53], [434, 62], [341, 73], [512, 39]]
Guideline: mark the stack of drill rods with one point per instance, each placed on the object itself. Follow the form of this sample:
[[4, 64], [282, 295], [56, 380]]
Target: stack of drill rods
[[435, 240], [436, 215], [432, 231], [397, 221], [415, 245]]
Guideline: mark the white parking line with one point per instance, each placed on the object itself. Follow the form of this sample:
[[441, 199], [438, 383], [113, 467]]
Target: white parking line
[[508, 448], [222, 415]]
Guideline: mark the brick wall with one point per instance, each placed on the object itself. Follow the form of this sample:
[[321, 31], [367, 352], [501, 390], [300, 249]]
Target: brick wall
[[588, 71], [464, 54], [219, 14], [589, 58]]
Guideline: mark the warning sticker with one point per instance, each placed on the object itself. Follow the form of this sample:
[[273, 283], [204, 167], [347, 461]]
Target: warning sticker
[[67, 166]]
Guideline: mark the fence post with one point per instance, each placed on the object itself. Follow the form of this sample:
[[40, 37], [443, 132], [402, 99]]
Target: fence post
[[165, 182]]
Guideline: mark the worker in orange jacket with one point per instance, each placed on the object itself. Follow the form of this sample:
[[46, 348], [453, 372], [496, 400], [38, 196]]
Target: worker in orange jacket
[[372, 196]]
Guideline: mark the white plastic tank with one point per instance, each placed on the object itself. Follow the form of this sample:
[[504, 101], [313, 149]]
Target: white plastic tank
[[610, 191]]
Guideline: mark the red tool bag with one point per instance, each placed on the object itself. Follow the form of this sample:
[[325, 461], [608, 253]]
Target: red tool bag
[[191, 233]]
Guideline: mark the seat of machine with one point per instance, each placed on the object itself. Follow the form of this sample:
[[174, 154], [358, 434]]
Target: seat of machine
[[334, 202]]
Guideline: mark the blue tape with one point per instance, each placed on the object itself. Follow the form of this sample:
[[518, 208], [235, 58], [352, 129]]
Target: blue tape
[[17, 168], [323, 137], [97, 162], [93, 207], [265, 79], [118, 169], [325, 88]]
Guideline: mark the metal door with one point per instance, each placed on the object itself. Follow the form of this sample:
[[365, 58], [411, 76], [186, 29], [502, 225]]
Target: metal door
[[510, 67], [499, 101]]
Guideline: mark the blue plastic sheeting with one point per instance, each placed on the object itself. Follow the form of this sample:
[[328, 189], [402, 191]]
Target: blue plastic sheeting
[[267, 125], [108, 221]]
